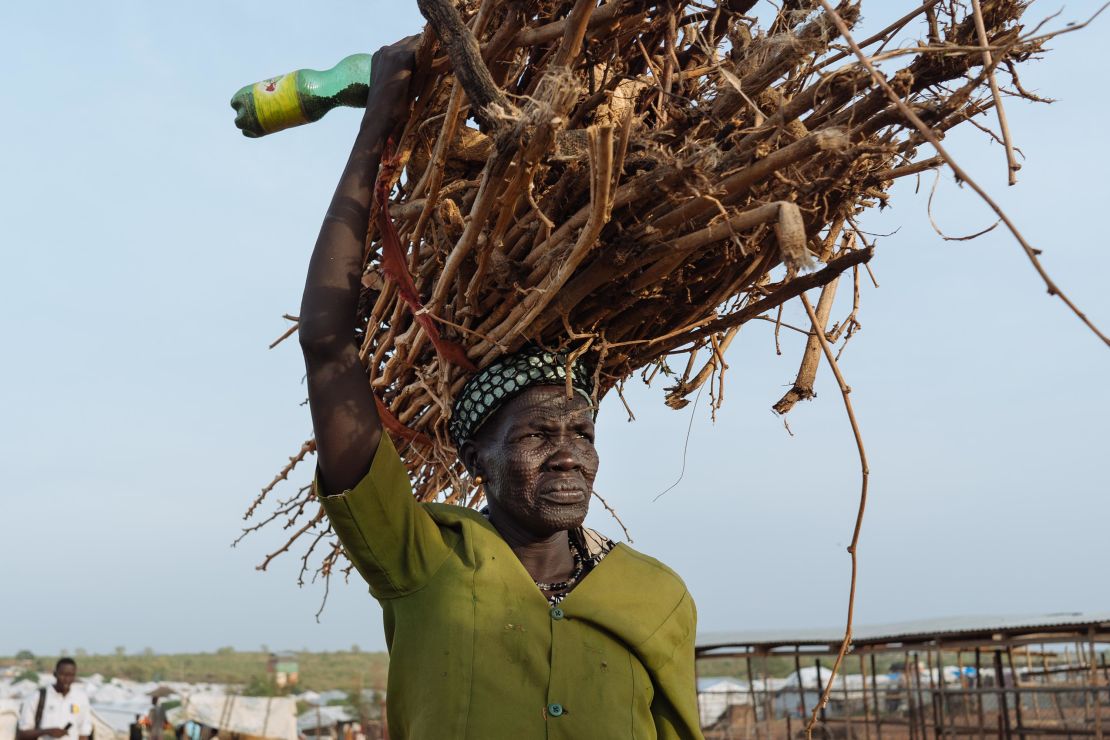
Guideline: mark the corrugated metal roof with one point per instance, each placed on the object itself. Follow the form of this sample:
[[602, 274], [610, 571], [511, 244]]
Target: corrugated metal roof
[[920, 630]]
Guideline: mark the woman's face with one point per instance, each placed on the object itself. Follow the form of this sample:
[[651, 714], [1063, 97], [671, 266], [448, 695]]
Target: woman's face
[[537, 458]]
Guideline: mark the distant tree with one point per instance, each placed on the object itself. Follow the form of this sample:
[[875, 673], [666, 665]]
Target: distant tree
[[265, 648], [82, 653], [134, 672], [24, 655], [64, 652], [148, 651], [356, 649], [260, 686], [226, 650], [120, 651], [31, 676]]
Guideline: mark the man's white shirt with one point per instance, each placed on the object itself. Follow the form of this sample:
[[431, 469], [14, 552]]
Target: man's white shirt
[[58, 711]]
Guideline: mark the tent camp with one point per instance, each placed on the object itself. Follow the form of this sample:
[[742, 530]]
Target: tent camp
[[251, 717]]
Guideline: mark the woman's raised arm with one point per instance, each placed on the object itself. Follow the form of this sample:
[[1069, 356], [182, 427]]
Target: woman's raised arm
[[344, 415]]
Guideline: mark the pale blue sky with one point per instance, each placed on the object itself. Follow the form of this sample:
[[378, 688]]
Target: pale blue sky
[[149, 251]]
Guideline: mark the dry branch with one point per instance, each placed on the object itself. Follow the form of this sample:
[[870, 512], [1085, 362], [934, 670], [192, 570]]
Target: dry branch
[[642, 180], [811, 357]]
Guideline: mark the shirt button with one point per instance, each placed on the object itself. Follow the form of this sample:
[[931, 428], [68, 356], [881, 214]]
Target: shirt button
[[555, 710], [557, 613]]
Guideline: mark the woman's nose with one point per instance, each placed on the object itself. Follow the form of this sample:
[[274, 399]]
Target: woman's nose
[[564, 456]]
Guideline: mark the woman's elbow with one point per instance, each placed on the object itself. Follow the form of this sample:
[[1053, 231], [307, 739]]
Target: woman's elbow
[[321, 342]]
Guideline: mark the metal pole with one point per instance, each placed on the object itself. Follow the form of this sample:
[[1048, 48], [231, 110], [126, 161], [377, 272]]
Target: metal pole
[[820, 688], [979, 685], [768, 707], [963, 687], [1055, 696], [1105, 672], [1017, 689], [910, 703], [1003, 706], [1029, 673], [941, 708], [920, 695], [1080, 654], [1094, 682], [875, 695], [751, 694], [847, 703], [933, 693], [863, 693], [801, 684]]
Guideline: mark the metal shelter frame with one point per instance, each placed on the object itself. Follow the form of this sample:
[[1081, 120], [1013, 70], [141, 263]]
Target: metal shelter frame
[[1007, 677]]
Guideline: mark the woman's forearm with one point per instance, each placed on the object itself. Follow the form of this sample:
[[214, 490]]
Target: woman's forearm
[[332, 286], [344, 411]]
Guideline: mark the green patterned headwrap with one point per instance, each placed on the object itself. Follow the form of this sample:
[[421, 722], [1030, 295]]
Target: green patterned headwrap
[[508, 377]]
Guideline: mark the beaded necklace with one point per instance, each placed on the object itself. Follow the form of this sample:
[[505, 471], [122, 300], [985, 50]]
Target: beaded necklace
[[562, 587], [586, 554]]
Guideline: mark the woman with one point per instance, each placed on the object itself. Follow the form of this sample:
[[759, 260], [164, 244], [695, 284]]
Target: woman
[[512, 623]]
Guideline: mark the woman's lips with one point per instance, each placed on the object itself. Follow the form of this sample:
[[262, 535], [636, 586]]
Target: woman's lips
[[564, 495]]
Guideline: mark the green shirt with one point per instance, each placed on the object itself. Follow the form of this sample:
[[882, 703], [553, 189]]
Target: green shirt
[[477, 652]]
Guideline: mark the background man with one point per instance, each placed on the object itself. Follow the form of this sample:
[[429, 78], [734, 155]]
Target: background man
[[60, 710]]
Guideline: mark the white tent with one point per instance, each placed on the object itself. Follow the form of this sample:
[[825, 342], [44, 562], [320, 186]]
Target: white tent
[[322, 717], [104, 731], [9, 716], [717, 694], [273, 718]]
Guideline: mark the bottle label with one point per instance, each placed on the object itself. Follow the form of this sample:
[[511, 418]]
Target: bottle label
[[277, 105]]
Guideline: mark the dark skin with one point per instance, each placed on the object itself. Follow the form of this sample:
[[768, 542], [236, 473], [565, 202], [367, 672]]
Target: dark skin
[[537, 460], [64, 676], [536, 454]]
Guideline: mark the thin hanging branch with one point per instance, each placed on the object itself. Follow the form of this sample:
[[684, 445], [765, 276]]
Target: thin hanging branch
[[853, 548]]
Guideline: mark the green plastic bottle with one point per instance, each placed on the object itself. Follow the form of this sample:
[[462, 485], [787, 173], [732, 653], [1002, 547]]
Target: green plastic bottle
[[301, 97]]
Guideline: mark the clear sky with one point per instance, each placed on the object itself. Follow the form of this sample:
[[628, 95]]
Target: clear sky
[[149, 251]]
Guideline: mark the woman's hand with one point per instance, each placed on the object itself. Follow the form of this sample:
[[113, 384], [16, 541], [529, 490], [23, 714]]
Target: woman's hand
[[391, 68]]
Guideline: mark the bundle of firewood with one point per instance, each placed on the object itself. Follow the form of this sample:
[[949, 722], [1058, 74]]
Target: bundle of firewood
[[635, 180]]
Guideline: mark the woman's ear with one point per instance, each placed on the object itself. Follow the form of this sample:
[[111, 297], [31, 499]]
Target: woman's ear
[[468, 453]]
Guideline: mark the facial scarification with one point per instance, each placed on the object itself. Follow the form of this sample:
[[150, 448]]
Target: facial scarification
[[537, 457]]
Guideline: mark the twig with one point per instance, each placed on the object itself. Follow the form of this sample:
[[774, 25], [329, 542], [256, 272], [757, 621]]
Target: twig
[[778, 326], [941, 234], [685, 449], [929, 136], [306, 448], [1012, 164], [811, 356], [285, 548], [466, 57], [785, 292], [884, 33], [781, 325], [288, 333], [853, 548], [613, 513]]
